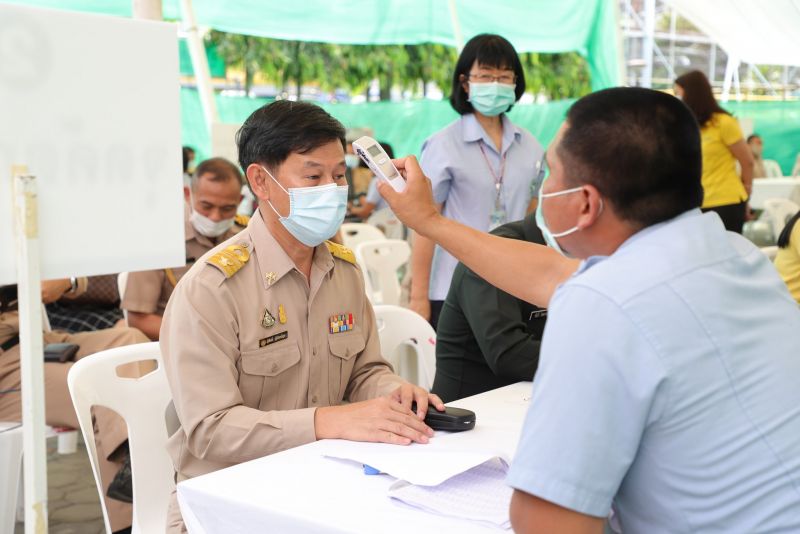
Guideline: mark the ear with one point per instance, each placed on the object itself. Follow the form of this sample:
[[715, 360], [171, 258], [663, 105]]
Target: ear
[[258, 181], [464, 83], [187, 195], [592, 206]]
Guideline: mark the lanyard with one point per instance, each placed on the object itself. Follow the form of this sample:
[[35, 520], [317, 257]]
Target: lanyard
[[498, 179]]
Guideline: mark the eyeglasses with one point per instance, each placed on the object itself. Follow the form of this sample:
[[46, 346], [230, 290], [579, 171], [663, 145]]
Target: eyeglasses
[[488, 78]]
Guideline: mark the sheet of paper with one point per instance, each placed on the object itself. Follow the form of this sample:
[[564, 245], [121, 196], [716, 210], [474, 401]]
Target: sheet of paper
[[425, 465], [479, 494]]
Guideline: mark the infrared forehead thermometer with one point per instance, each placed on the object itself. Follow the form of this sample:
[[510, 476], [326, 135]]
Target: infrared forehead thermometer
[[379, 162]]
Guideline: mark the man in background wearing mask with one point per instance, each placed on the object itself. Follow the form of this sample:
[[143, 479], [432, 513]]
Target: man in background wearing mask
[[268, 334], [212, 197], [668, 376]]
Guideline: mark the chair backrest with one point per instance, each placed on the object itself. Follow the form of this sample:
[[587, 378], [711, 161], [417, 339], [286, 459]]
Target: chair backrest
[[772, 169], [355, 233], [122, 284], [770, 252], [777, 211], [143, 403], [388, 223], [380, 261], [400, 327]]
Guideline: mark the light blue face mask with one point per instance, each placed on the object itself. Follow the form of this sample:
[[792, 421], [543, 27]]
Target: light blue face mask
[[549, 237], [491, 99], [315, 213]]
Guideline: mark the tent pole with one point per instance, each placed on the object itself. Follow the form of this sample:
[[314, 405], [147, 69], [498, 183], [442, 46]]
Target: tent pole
[[202, 73], [457, 35], [649, 41], [730, 68]]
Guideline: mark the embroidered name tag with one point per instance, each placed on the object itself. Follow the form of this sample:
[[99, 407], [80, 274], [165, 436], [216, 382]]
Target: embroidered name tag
[[273, 339], [537, 314]]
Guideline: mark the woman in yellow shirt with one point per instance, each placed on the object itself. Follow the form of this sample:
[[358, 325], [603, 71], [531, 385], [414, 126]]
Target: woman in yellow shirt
[[725, 192], [787, 262]]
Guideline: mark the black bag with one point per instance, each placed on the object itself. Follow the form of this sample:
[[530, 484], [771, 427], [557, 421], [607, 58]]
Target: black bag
[[60, 352]]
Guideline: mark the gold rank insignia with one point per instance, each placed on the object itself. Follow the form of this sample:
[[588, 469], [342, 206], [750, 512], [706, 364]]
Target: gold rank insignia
[[342, 322], [241, 219], [230, 259], [267, 320], [270, 277], [341, 252], [281, 314]]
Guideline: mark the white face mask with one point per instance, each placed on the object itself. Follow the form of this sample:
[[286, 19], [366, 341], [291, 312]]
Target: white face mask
[[206, 226]]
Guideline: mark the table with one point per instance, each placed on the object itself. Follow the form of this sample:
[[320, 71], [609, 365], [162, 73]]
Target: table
[[299, 490], [766, 188], [10, 465]]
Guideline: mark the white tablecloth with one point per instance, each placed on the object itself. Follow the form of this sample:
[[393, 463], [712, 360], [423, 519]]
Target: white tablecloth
[[299, 490], [766, 188]]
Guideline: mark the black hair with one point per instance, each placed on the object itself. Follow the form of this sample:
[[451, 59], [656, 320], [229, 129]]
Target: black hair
[[274, 131], [752, 136], [187, 153], [786, 233], [640, 148], [698, 96], [387, 148], [489, 50], [217, 170]]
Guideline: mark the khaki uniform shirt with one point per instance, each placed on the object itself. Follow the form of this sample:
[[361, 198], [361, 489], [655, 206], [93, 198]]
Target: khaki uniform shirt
[[249, 357], [149, 291]]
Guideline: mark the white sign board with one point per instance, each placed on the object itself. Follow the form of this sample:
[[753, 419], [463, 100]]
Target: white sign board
[[90, 104]]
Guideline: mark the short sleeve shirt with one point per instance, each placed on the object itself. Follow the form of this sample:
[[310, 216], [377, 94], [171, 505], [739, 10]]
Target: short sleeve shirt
[[667, 388], [721, 183], [462, 179], [374, 197]]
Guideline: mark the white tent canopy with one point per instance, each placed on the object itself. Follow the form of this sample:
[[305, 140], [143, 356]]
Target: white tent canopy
[[765, 32]]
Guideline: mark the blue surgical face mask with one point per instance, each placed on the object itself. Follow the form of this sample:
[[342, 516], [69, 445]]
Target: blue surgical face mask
[[491, 99], [315, 213], [549, 237]]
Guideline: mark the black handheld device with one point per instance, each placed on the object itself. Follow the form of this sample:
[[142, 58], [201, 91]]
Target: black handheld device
[[451, 419]]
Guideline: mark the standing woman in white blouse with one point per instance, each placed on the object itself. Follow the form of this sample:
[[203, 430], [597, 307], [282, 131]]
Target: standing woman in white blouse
[[483, 168]]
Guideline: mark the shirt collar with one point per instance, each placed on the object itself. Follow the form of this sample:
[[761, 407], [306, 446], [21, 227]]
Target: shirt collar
[[634, 239], [273, 260], [472, 131]]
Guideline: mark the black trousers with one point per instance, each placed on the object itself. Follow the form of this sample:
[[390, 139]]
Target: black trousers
[[436, 309], [732, 215]]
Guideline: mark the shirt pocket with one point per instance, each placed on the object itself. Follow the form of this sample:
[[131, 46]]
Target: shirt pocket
[[344, 347], [270, 377]]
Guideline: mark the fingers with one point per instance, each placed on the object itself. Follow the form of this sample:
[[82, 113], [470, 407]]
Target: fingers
[[421, 398], [407, 396], [436, 401], [408, 426]]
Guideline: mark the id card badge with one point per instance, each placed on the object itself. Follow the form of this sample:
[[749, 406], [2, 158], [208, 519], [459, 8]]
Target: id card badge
[[497, 218]]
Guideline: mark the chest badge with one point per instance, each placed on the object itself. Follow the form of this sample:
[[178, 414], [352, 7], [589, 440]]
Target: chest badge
[[281, 314], [267, 320], [342, 322]]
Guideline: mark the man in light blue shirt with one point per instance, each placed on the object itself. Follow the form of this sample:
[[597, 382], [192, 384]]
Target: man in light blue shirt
[[668, 386]]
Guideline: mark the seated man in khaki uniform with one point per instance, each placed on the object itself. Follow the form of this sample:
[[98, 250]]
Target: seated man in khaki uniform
[[210, 219], [269, 333], [110, 429]]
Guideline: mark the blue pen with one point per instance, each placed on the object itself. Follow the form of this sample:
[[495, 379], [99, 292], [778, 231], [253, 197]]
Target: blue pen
[[369, 470]]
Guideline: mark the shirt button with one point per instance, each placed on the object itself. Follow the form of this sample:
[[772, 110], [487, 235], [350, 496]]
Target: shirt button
[[314, 399], [314, 351], [274, 367]]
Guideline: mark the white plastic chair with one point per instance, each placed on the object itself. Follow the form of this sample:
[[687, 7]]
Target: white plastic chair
[[400, 327], [777, 211], [772, 169], [387, 222], [380, 261], [143, 404], [770, 252], [355, 233], [10, 466]]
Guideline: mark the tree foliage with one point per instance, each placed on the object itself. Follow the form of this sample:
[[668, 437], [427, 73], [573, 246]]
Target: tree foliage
[[293, 64]]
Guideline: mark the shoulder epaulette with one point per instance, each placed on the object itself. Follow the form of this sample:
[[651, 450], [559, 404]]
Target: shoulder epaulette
[[241, 219], [341, 252], [230, 259]]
